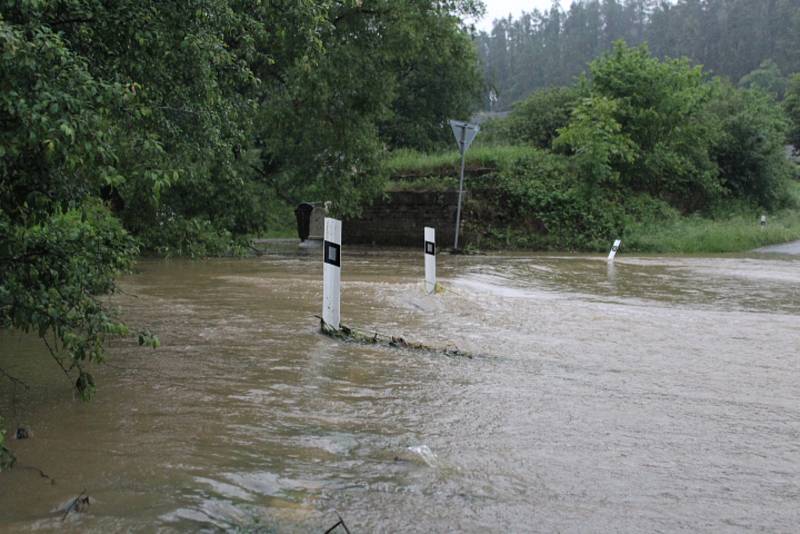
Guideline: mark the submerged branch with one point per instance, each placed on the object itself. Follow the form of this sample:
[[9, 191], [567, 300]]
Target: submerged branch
[[14, 379], [353, 335], [79, 503], [41, 473]]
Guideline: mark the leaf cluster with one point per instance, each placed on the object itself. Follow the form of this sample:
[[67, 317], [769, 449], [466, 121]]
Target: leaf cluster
[[54, 275], [537, 119], [791, 105], [662, 128]]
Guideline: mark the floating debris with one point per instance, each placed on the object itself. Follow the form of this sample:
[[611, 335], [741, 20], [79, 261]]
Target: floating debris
[[78, 505], [23, 433], [426, 454], [353, 335]]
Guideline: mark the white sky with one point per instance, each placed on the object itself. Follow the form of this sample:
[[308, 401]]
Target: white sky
[[496, 9]]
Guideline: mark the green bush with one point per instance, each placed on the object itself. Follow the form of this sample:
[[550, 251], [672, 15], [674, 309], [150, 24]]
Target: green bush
[[642, 208], [749, 151], [637, 144], [659, 127], [541, 191], [537, 119], [195, 238], [767, 78], [53, 274], [598, 146], [651, 116]]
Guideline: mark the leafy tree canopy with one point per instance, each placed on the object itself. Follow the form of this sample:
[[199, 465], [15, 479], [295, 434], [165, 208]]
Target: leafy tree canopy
[[792, 107], [537, 118], [650, 116], [767, 78]]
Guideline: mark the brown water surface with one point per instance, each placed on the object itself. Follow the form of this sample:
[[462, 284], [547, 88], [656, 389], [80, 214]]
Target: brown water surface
[[653, 394]]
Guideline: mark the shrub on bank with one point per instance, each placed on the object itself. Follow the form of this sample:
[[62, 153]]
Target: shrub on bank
[[543, 191], [536, 120], [195, 238], [646, 142]]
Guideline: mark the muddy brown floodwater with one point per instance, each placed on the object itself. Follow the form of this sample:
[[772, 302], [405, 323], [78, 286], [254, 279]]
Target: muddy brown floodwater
[[652, 395]]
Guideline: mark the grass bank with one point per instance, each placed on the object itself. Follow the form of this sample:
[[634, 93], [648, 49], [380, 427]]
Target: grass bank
[[413, 163], [695, 235]]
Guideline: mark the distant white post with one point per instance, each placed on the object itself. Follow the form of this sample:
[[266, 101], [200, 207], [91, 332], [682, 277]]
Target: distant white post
[[332, 272], [430, 260], [614, 249]]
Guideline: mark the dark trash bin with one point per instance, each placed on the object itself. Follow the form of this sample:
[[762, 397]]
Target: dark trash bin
[[303, 215]]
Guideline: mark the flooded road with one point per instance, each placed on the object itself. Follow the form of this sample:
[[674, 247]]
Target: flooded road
[[653, 394]]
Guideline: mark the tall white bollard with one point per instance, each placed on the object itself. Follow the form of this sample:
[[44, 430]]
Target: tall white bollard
[[430, 260], [614, 250], [332, 272]]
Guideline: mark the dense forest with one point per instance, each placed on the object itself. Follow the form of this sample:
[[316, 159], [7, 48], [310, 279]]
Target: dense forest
[[728, 37]]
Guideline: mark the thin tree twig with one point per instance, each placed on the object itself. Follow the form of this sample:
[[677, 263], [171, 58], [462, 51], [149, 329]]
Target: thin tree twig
[[338, 524], [41, 473], [57, 359]]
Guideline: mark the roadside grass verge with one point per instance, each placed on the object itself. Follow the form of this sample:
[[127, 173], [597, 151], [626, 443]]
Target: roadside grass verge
[[737, 233], [279, 233], [693, 235], [411, 162]]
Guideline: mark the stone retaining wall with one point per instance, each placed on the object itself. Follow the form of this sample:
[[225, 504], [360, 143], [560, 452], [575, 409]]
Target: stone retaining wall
[[400, 218]]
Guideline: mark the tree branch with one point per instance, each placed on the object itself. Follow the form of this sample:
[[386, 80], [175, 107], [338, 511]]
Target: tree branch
[[359, 11], [58, 360]]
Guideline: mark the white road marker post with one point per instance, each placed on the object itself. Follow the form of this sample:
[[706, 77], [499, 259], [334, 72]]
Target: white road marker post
[[430, 260], [332, 273], [763, 221], [614, 249]]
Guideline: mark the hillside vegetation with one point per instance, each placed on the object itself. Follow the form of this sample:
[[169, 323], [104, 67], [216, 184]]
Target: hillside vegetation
[[655, 152]]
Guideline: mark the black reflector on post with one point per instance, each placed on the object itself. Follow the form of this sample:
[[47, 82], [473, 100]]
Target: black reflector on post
[[333, 254]]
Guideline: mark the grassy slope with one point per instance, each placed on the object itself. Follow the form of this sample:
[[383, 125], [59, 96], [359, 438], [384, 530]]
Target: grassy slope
[[689, 235], [409, 162]]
